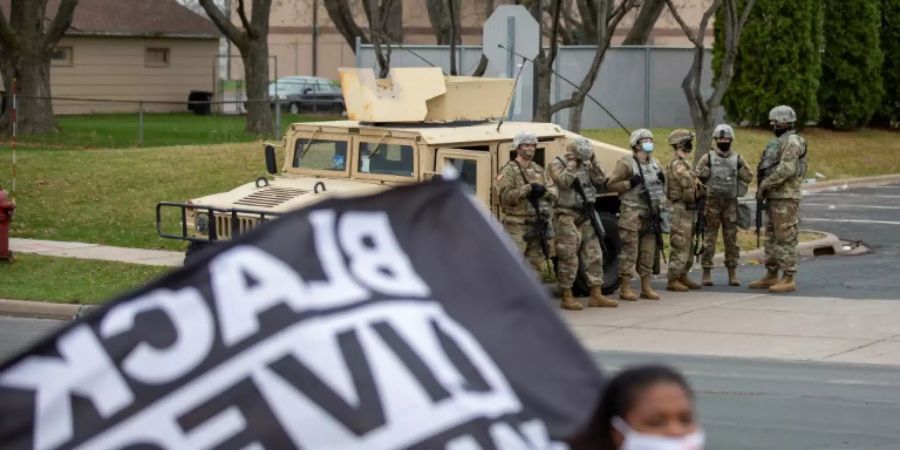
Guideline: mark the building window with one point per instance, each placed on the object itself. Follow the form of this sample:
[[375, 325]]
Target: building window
[[156, 57], [61, 56]]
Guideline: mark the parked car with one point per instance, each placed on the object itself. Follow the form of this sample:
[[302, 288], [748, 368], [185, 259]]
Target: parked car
[[299, 93]]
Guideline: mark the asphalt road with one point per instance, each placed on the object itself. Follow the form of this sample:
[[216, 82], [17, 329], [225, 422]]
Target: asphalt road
[[870, 215], [743, 403]]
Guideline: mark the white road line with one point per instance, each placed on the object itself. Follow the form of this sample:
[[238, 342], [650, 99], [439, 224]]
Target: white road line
[[848, 194], [839, 206], [822, 219]]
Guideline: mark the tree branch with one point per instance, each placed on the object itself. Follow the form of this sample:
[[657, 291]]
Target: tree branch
[[60, 24], [733, 35], [259, 18], [340, 14], [684, 26], [7, 35], [225, 26], [242, 13], [554, 32]]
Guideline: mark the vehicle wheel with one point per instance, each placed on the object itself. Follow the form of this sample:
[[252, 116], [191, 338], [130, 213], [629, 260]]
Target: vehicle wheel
[[612, 245], [195, 250], [295, 108]]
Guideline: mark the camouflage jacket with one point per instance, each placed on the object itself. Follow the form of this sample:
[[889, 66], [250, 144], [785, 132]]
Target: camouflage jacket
[[513, 190], [564, 174], [783, 181], [619, 181], [682, 184], [745, 175]]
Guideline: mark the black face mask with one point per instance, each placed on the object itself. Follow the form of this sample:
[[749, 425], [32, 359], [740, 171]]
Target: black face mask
[[687, 146], [725, 147], [780, 131]]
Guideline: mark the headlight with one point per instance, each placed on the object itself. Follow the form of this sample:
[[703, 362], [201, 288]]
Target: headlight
[[201, 223]]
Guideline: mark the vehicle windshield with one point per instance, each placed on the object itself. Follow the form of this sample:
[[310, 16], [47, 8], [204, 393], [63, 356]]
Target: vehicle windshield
[[386, 159], [320, 154]]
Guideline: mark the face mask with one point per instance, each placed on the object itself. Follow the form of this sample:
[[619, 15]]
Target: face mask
[[724, 146], [688, 146], [780, 131], [527, 153], [647, 147], [641, 441]]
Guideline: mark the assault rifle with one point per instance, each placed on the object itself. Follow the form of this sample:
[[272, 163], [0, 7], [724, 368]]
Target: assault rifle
[[540, 224], [655, 219], [591, 213], [700, 228], [760, 203]]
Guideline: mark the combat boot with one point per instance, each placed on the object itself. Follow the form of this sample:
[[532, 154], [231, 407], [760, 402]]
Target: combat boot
[[625, 291], [785, 285], [687, 282], [771, 279], [707, 277], [568, 301], [676, 285], [647, 291], [598, 300], [732, 277]]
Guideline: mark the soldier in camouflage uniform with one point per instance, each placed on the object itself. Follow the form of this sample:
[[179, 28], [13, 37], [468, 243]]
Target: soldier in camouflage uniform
[[781, 170], [574, 233], [683, 189], [520, 182], [726, 177], [635, 230]]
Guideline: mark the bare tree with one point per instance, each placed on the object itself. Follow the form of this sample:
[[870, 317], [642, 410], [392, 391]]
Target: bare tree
[[27, 41], [705, 110], [445, 25], [385, 19], [601, 17], [644, 23], [252, 40]]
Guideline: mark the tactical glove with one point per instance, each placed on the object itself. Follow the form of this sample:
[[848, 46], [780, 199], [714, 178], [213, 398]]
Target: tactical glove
[[537, 190], [635, 180], [662, 178]]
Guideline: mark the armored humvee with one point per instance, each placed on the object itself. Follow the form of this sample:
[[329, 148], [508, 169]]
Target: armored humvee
[[401, 130]]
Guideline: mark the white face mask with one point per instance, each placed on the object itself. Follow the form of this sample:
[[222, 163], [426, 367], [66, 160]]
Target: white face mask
[[640, 441]]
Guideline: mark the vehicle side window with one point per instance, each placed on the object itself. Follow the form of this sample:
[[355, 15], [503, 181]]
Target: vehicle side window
[[321, 154], [387, 159], [538, 156], [468, 171]]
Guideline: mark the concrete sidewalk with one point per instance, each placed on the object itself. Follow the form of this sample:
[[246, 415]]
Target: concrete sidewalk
[[746, 324], [83, 250]]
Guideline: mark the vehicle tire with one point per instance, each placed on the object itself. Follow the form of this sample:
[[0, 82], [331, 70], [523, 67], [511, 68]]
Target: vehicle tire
[[195, 250], [295, 108], [612, 245]]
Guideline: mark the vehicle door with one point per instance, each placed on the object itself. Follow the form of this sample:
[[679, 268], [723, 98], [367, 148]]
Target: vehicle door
[[473, 167]]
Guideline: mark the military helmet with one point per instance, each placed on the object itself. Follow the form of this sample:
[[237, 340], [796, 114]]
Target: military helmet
[[639, 134], [723, 131], [524, 137], [782, 114], [681, 135], [581, 148]]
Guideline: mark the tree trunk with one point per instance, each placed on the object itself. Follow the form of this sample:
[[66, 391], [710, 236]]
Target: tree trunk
[[256, 73], [544, 77], [31, 70], [644, 23], [704, 129], [575, 116]]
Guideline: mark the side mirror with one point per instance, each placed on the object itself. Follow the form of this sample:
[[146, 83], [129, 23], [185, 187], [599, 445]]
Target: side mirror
[[307, 91], [270, 159]]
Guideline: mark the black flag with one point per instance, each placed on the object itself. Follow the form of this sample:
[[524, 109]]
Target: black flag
[[393, 321]]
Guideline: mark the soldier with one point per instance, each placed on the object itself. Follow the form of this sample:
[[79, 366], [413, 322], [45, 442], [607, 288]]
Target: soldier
[[575, 235], [683, 190], [631, 176], [522, 183], [726, 177], [780, 172]]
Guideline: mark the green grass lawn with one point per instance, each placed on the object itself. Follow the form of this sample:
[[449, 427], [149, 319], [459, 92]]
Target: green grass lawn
[[69, 280], [835, 154], [121, 130]]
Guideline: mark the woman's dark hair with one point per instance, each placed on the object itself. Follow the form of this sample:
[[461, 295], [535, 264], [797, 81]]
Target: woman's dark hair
[[622, 391]]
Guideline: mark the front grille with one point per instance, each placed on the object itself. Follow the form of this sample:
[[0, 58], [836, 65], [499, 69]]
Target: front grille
[[270, 197], [223, 225]]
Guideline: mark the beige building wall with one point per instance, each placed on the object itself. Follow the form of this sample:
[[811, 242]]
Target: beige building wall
[[115, 68], [291, 24]]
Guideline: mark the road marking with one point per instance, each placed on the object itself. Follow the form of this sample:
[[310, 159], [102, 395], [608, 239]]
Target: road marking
[[838, 206], [822, 219], [848, 194]]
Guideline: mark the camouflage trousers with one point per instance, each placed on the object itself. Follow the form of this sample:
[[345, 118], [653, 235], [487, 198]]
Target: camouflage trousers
[[721, 212], [782, 235], [527, 242], [681, 255], [574, 236], [638, 244]]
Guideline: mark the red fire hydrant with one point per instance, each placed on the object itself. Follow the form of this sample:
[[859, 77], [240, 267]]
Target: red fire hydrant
[[7, 210]]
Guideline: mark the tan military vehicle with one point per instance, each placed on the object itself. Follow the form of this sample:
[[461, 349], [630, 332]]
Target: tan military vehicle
[[401, 130]]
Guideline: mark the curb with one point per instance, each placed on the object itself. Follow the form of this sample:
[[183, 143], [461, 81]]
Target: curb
[[827, 245], [39, 310]]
